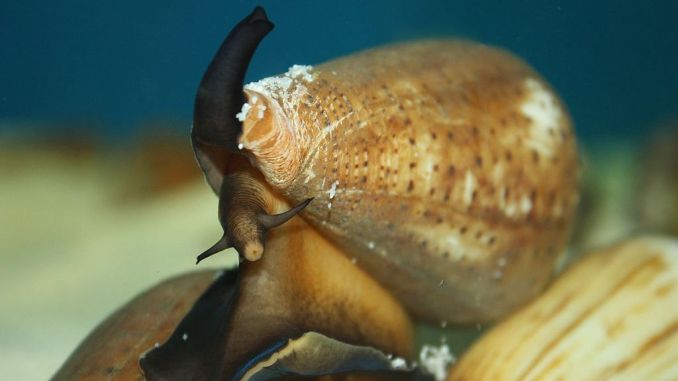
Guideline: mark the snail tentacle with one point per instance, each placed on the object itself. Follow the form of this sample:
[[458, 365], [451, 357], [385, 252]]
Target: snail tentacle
[[221, 245], [220, 96], [270, 221], [243, 216]]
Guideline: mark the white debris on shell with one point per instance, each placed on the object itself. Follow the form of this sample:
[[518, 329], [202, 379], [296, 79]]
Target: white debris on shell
[[370, 245], [184, 337], [300, 71], [242, 115], [270, 85], [398, 363], [260, 111], [281, 83], [333, 189], [435, 360]]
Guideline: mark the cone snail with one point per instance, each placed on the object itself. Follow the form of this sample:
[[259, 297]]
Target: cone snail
[[446, 168]]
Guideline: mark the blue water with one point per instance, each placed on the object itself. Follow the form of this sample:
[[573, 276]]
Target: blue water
[[126, 62]]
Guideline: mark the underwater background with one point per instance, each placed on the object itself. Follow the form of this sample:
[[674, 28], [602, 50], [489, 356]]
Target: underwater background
[[100, 196]]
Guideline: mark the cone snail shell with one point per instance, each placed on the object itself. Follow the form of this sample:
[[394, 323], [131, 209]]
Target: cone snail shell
[[447, 168]]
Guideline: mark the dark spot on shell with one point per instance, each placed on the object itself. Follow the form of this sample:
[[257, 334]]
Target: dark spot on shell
[[364, 179], [535, 156], [413, 165], [435, 167], [410, 186], [491, 241], [432, 191], [473, 195], [463, 230], [412, 141], [434, 136], [450, 136], [475, 130], [509, 156], [451, 170], [479, 234], [479, 161], [408, 121]]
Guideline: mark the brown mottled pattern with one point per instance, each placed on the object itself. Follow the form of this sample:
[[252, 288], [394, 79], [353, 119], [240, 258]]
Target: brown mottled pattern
[[426, 168], [608, 317]]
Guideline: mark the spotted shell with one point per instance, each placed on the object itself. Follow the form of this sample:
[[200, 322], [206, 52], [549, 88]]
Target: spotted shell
[[447, 168]]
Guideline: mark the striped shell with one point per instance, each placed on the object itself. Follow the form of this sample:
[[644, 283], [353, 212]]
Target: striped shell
[[447, 168], [612, 316]]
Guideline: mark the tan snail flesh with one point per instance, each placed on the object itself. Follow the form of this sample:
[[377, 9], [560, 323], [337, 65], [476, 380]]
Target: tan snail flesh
[[447, 168]]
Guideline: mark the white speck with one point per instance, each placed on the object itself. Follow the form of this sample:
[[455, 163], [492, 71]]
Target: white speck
[[353, 260], [469, 187], [218, 274], [334, 72], [370, 245], [302, 71], [443, 324], [510, 209], [260, 111], [501, 262], [254, 99], [541, 107], [399, 363], [157, 344], [436, 360], [242, 115], [442, 283], [241, 146], [329, 205], [333, 189], [184, 337], [525, 204]]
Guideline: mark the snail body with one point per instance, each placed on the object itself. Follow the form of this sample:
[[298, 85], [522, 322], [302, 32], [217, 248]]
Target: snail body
[[447, 168]]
